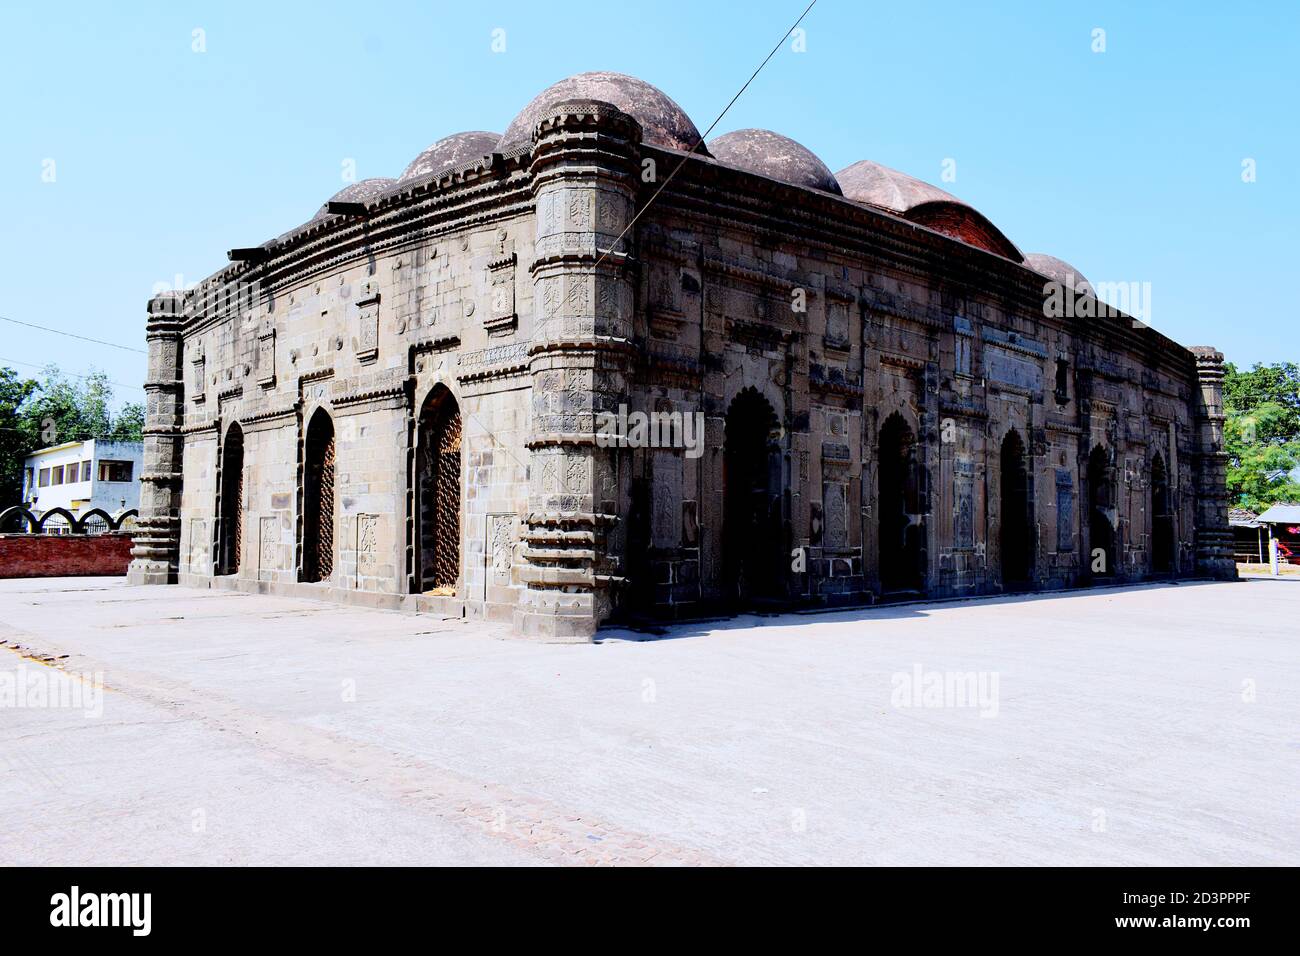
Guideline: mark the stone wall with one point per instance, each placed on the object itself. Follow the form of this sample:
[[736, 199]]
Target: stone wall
[[520, 289]]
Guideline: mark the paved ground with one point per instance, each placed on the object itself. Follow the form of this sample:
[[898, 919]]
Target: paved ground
[[1153, 725]]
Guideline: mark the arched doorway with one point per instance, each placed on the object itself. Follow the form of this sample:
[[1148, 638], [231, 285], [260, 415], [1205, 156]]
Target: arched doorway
[[1101, 510], [752, 538], [1162, 518], [318, 499], [437, 494], [1016, 538], [230, 531], [901, 522]]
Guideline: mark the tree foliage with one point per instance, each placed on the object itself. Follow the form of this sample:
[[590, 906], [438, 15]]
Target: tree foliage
[[1262, 434], [59, 408], [15, 442]]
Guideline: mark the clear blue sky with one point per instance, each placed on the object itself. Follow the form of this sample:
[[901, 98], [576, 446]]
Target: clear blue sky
[[1126, 163]]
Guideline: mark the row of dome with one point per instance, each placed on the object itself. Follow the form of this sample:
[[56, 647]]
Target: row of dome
[[665, 124]]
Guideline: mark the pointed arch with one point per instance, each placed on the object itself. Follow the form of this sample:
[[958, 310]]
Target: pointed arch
[[230, 504], [10, 516], [1163, 537], [318, 498], [437, 499], [43, 523], [1101, 514], [1016, 539], [901, 533], [753, 539]]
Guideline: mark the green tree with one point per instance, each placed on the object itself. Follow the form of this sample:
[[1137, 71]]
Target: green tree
[[57, 409], [14, 440], [128, 425], [1262, 434]]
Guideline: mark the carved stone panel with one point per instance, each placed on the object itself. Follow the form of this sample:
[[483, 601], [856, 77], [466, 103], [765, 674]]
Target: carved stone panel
[[368, 322], [501, 318], [501, 546], [367, 544], [266, 356], [268, 537], [1064, 510], [963, 508], [834, 515]]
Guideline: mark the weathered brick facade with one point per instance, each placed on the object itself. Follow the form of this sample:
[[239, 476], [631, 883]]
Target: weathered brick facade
[[887, 407], [64, 555]]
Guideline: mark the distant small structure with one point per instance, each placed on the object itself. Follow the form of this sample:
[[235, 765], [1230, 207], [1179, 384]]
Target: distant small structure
[[1283, 523], [1249, 536], [63, 484]]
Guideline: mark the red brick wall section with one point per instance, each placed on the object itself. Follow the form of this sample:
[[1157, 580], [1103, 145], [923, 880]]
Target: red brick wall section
[[63, 555]]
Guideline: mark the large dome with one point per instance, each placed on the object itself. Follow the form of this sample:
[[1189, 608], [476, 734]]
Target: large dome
[[1058, 270], [924, 204], [363, 190], [449, 152], [877, 185], [778, 157], [663, 122]]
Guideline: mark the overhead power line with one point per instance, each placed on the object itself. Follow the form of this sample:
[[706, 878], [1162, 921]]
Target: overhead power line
[[10, 361], [73, 335]]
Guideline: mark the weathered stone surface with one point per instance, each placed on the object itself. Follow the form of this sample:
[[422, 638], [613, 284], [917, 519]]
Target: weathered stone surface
[[506, 290]]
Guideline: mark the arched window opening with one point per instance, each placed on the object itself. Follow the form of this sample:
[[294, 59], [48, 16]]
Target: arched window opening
[[1101, 515], [752, 529], [438, 494], [900, 509], [230, 532], [1162, 518], [1016, 538], [318, 499]]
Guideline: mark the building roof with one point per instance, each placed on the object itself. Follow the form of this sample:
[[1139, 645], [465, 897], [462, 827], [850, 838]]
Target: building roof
[[1243, 518], [1058, 270], [663, 122], [1281, 514], [450, 152], [775, 156], [360, 191], [925, 204]]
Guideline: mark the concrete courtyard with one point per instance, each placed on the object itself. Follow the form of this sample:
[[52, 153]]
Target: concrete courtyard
[[1147, 725]]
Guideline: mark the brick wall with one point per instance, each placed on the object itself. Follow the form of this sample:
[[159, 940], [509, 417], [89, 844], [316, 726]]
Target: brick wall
[[63, 555]]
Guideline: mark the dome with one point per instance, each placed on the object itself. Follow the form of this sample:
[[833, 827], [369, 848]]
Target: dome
[[1058, 270], [363, 190], [877, 185], [775, 156], [663, 122], [916, 201], [449, 152]]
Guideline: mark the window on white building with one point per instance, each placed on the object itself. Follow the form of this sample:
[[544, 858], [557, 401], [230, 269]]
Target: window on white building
[[45, 478], [56, 475], [115, 470], [85, 471]]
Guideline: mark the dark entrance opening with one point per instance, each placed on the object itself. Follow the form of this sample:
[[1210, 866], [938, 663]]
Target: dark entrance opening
[[231, 530], [318, 499], [437, 494], [1162, 518], [1101, 507], [901, 515], [1017, 538], [752, 539]]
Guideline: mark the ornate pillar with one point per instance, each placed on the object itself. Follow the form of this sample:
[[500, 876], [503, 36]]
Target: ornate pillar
[[584, 171], [1214, 551], [155, 558]]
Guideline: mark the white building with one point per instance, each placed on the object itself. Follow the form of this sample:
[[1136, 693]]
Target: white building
[[83, 475]]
